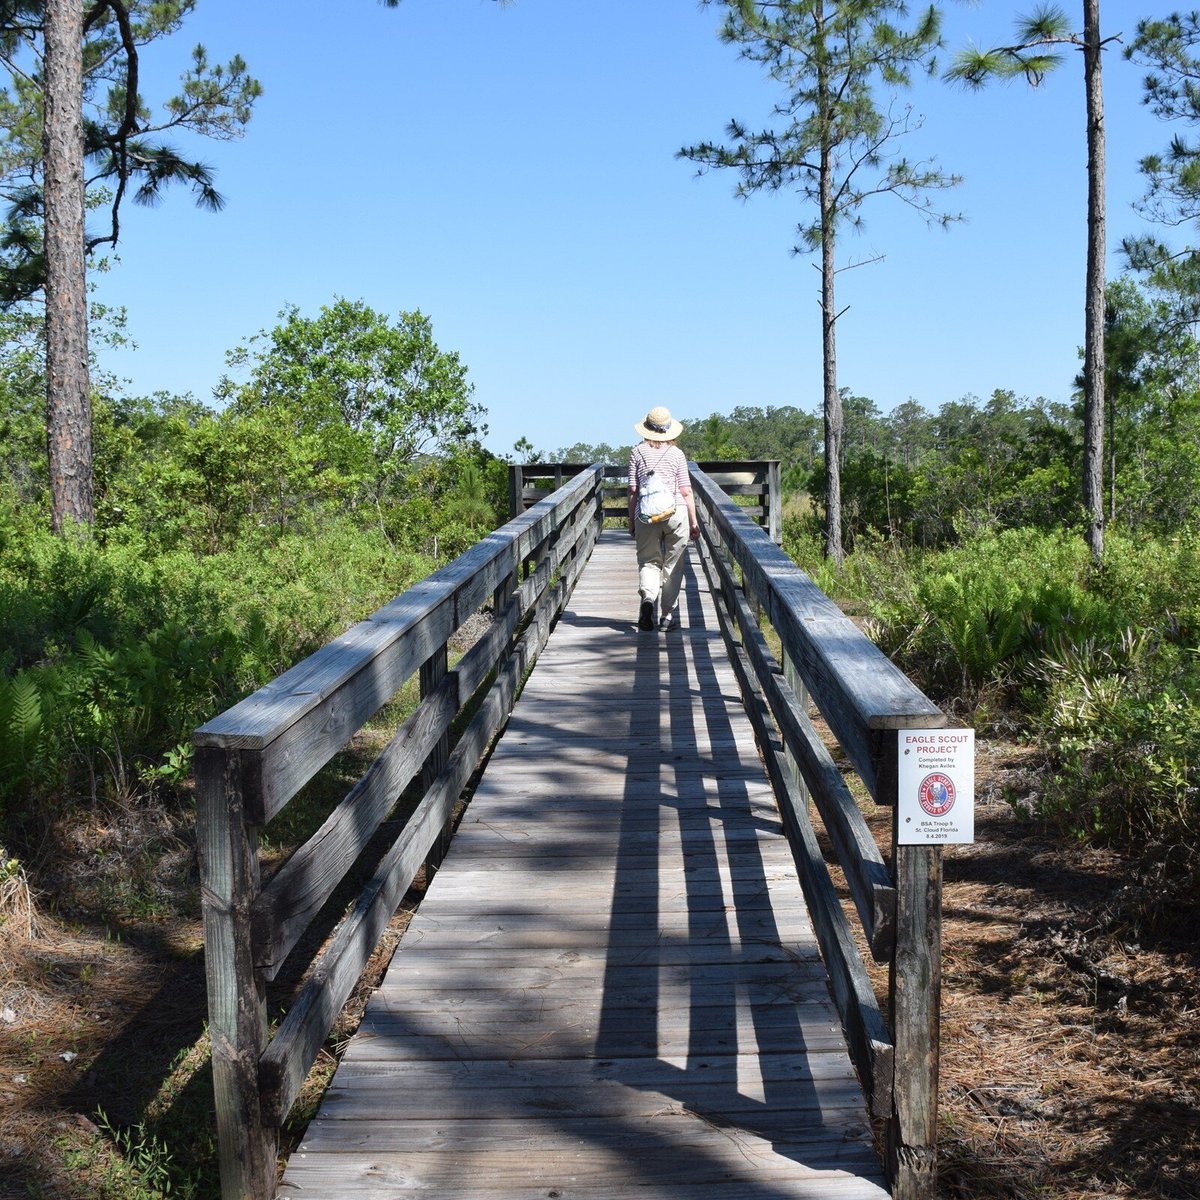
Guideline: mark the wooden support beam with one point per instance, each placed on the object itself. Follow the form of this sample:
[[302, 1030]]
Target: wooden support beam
[[867, 877], [859, 691], [237, 1013], [916, 992]]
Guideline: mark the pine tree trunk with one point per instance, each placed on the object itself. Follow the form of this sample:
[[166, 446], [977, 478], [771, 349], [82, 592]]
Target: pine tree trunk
[[1093, 337], [832, 398], [68, 405], [832, 402]]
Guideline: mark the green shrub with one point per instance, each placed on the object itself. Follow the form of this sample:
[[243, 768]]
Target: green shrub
[[974, 620], [115, 653], [1124, 726], [1098, 663]]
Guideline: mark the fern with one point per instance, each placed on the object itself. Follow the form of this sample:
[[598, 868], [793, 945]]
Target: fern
[[21, 728]]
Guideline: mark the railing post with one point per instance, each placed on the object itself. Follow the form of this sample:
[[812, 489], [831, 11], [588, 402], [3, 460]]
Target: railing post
[[796, 683], [237, 1011], [915, 990], [774, 501], [433, 671], [516, 491], [502, 594]]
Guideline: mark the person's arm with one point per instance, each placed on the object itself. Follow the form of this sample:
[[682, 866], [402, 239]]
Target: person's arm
[[690, 501], [684, 488]]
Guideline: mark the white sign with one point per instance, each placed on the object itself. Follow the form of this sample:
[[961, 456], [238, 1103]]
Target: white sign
[[937, 787]]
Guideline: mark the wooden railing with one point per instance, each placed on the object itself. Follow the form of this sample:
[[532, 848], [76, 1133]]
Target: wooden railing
[[865, 700], [254, 758], [757, 480]]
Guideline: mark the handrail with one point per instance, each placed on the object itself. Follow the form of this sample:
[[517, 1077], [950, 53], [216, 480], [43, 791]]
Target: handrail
[[251, 760], [865, 700]]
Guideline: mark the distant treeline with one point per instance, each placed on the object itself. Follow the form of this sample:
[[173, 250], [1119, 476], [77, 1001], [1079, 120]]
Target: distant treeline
[[1005, 462]]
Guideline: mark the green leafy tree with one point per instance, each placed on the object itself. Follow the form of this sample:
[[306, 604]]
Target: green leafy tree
[[587, 452], [1172, 90], [863, 430], [783, 432], [77, 134], [1033, 54], [909, 434], [834, 144], [366, 395], [467, 498], [123, 139], [780, 432], [712, 439], [22, 408]]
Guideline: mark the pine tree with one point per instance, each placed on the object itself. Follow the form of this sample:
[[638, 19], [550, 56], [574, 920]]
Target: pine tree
[[74, 81], [1032, 56], [834, 144], [1168, 48]]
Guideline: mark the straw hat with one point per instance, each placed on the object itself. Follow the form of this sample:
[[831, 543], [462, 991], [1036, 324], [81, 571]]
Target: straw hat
[[659, 426]]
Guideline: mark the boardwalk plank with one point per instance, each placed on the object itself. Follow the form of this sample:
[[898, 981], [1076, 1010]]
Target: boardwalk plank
[[810, 1143], [611, 987], [476, 1030]]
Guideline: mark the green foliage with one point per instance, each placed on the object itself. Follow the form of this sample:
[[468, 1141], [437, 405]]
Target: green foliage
[[784, 433], [1099, 663], [228, 545], [358, 397], [1031, 56], [1125, 725], [828, 67], [581, 452], [975, 620], [1153, 389], [1003, 463], [20, 730], [1168, 47], [132, 1164], [113, 655]]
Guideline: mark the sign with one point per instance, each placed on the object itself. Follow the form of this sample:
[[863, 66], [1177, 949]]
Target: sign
[[936, 787]]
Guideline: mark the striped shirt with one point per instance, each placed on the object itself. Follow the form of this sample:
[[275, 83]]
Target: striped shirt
[[667, 463]]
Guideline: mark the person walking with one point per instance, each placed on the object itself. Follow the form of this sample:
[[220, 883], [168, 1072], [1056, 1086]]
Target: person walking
[[662, 515]]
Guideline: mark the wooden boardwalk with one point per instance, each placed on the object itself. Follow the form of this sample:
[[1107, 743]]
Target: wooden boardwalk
[[612, 986]]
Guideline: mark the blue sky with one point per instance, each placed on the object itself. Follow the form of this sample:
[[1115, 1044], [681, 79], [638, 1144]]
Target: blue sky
[[511, 172]]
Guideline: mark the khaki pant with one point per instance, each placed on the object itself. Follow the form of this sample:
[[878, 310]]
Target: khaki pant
[[660, 550]]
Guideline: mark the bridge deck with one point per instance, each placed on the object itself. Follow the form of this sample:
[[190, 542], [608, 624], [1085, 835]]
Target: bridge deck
[[612, 987]]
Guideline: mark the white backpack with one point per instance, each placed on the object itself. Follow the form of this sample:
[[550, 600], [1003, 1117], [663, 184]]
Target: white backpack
[[656, 500]]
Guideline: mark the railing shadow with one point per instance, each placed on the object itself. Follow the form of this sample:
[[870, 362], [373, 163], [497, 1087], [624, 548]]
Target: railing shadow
[[733, 979]]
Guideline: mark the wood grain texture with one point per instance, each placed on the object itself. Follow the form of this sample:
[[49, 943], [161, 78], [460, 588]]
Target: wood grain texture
[[301, 887], [857, 852], [236, 1011], [612, 986]]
